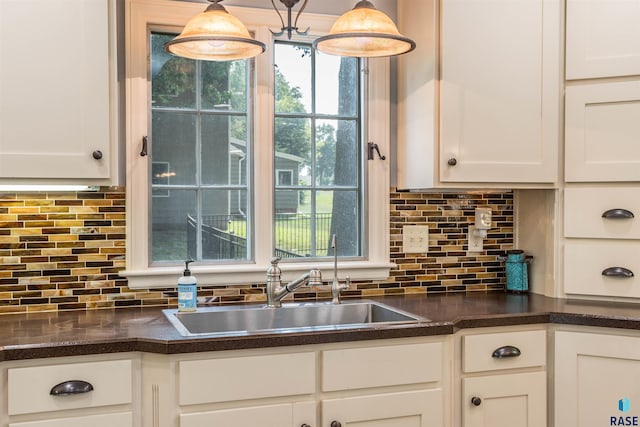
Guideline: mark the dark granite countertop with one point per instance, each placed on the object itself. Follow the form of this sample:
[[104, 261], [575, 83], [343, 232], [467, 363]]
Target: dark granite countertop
[[28, 336]]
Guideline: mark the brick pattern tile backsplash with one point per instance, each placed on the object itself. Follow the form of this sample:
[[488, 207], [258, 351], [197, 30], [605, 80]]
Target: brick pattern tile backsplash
[[63, 251]]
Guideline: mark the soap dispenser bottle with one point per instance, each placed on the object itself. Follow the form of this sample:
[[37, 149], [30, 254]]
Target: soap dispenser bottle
[[187, 290]]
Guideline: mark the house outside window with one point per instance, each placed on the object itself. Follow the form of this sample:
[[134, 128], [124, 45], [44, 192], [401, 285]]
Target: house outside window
[[251, 159]]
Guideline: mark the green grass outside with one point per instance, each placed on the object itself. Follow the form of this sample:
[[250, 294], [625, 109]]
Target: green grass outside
[[171, 245]]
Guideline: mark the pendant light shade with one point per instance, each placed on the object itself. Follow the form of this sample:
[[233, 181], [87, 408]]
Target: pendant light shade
[[215, 35], [366, 32]]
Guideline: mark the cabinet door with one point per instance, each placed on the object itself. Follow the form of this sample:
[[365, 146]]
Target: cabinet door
[[505, 400], [54, 89], [602, 38], [108, 420], [423, 408], [284, 415], [500, 90], [594, 373], [602, 132]]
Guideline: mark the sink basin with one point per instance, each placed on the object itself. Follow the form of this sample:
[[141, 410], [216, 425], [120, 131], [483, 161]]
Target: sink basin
[[293, 317]]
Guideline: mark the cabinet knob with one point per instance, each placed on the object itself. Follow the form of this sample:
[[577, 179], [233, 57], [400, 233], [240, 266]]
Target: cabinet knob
[[476, 401], [97, 154], [305, 425], [452, 162], [336, 424]]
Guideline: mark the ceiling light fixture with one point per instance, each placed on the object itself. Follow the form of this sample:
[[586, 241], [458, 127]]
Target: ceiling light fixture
[[364, 31], [216, 35]]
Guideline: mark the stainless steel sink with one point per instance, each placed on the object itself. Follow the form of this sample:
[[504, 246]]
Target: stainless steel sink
[[292, 317]]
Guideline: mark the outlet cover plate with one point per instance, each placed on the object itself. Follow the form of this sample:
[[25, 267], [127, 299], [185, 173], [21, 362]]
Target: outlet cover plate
[[415, 239], [475, 240]]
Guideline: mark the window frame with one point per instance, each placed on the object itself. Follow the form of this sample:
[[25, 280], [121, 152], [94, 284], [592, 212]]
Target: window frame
[[142, 16]]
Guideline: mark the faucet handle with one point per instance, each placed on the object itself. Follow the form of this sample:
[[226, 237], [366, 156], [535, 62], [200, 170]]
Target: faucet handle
[[275, 260], [315, 277]]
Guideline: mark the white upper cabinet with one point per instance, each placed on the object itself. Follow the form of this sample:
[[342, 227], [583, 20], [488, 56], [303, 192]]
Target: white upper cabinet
[[603, 38], [57, 74], [500, 91], [479, 101], [603, 131]]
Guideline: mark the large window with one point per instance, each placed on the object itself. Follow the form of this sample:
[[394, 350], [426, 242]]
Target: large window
[[251, 159]]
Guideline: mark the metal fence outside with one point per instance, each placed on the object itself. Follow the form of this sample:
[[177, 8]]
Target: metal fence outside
[[224, 236]]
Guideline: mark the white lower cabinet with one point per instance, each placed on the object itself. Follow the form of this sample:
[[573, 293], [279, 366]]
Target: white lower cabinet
[[505, 400], [79, 391], [124, 419], [597, 377], [421, 408], [390, 383], [282, 415], [503, 379]]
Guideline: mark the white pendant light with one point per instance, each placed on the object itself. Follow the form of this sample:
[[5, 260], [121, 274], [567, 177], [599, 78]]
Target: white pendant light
[[365, 32], [215, 35]]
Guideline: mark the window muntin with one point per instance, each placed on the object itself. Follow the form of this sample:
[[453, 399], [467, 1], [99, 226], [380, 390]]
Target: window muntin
[[317, 131], [200, 128]]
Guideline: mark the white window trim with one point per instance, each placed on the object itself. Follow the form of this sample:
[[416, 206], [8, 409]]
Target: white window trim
[[141, 14]]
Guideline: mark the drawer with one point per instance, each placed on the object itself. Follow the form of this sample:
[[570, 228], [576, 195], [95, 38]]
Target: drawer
[[586, 263], [251, 377], [607, 212], [478, 351], [381, 366], [124, 419], [29, 388]]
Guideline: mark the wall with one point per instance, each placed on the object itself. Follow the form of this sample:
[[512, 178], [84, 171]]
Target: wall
[[62, 251]]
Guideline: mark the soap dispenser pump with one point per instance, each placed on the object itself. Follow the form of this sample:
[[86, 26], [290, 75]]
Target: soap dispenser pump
[[187, 290]]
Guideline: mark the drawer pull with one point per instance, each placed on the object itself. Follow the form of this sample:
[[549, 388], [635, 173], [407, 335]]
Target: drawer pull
[[617, 272], [71, 387], [476, 401], [506, 351], [618, 214]]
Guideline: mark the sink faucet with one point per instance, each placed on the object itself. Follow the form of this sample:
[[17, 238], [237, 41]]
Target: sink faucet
[[336, 286], [276, 291]]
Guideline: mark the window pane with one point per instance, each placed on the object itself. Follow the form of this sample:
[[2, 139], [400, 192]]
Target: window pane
[[174, 143], [173, 79], [172, 236], [224, 85], [337, 77], [337, 153], [293, 83], [293, 143], [293, 224], [224, 158], [225, 230], [342, 207]]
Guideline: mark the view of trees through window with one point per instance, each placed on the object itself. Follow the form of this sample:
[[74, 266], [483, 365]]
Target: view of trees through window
[[201, 155]]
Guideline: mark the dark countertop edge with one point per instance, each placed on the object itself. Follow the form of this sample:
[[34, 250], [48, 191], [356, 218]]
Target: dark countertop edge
[[186, 345], [162, 339]]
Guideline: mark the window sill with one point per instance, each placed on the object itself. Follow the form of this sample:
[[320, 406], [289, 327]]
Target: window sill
[[167, 277]]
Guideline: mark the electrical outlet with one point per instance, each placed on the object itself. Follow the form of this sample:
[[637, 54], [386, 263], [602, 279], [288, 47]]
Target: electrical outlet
[[475, 240], [415, 239]]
